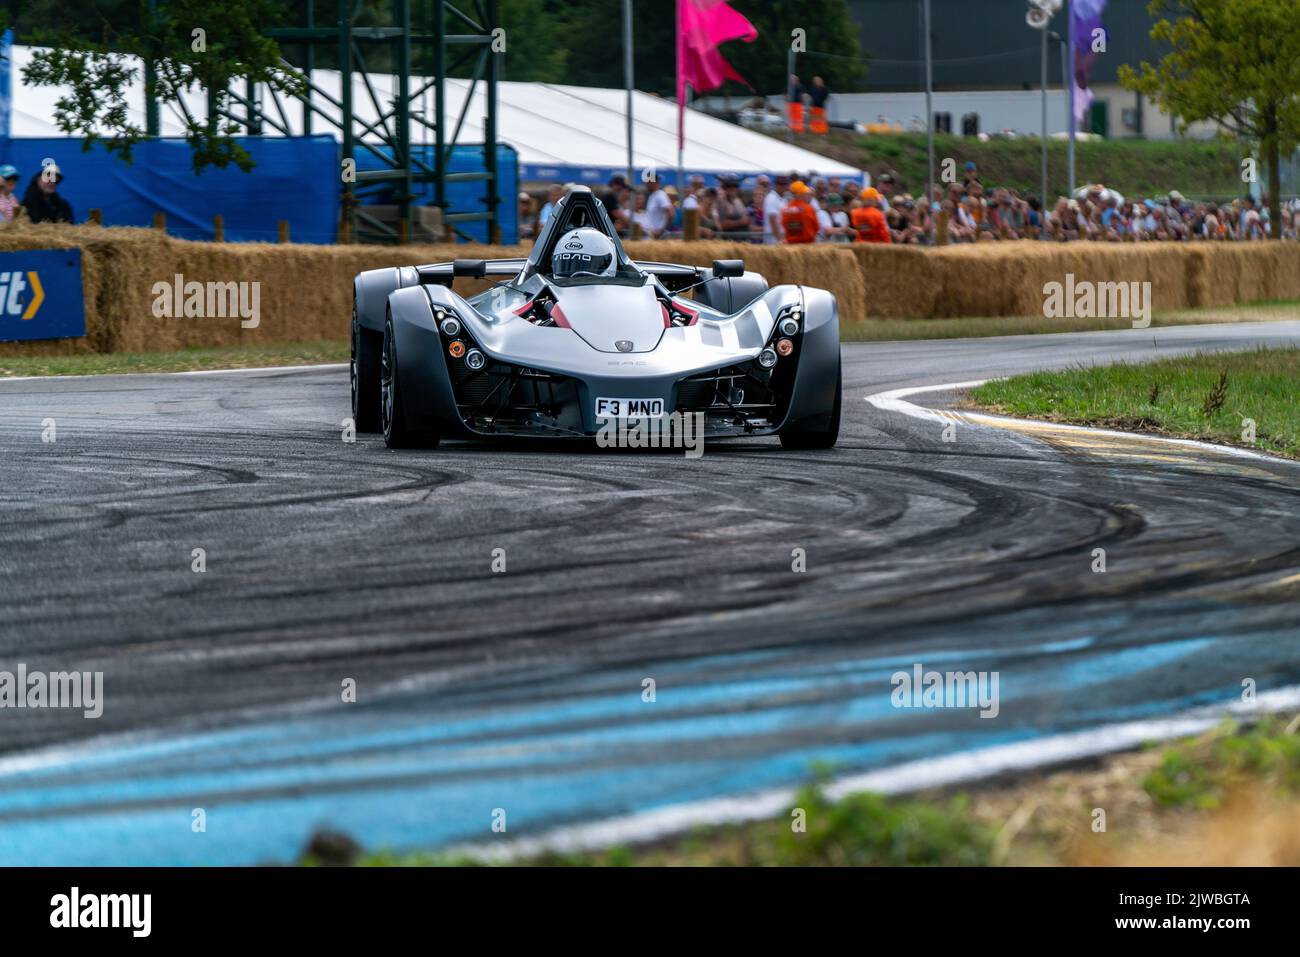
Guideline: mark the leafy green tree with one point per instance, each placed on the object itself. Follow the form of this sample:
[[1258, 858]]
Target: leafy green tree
[[593, 37], [830, 40], [592, 33], [535, 43], [204, 45], [1234, 62]]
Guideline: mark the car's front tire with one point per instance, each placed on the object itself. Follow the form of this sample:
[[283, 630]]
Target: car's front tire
[[825, 438], [392, 413], [366, 349]]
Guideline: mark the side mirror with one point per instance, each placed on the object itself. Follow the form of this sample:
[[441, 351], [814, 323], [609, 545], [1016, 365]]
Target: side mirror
[[469, 269], [728, 268]]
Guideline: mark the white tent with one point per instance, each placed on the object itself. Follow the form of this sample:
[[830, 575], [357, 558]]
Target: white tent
[[569, 133]]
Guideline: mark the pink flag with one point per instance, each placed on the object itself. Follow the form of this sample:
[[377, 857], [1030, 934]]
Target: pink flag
[[701, 26]]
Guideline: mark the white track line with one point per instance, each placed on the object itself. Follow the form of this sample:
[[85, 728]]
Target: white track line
[[894, 401], [321, 365], [914, 776], [119, 375]]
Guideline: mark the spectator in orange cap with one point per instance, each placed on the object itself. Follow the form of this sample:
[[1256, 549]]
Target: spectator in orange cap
[[798, 218], [869, 221]]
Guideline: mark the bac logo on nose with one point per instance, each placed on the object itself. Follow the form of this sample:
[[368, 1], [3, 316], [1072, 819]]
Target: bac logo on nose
[[12, 287]]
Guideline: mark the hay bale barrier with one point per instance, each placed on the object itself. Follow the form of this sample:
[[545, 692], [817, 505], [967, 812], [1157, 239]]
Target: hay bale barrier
[[306, 290], [1007, 278], [827, 266]]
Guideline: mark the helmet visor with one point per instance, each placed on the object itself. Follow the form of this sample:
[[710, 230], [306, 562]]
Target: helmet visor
[[576, 263]]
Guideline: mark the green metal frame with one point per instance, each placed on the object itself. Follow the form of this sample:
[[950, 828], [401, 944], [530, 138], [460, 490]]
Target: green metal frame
[[404, 168]]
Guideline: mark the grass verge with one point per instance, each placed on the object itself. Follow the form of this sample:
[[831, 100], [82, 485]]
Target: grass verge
[[1134, 167], [886, 330], [1246, 399], [1228, 797], [184, 360]]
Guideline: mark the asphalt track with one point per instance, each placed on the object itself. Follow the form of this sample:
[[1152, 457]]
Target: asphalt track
[[523, 690]]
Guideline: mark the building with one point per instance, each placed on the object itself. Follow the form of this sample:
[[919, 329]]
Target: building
[[987, 47]]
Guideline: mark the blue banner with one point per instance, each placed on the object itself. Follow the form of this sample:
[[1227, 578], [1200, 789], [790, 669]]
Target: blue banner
[[40, 295], [296, 179]]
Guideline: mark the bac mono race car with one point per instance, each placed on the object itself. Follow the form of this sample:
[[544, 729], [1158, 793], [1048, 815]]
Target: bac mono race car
[[578, 335]]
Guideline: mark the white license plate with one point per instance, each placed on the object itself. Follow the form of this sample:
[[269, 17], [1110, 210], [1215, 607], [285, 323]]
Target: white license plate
[[629, 408]]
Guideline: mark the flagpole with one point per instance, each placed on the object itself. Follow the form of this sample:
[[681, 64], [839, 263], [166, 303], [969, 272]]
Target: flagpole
[[681, 103], [712, 22], [627, 79], [681, 145], [1042, 190], [1074, 123], [929, 105], [791, 64]]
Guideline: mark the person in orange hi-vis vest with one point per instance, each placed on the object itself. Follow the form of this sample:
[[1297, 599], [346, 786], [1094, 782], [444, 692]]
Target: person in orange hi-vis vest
[[794, 102], [798, 218], [818, 94], [869, 221]]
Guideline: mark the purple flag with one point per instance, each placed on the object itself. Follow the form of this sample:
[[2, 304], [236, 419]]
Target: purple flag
[[1087, 20]]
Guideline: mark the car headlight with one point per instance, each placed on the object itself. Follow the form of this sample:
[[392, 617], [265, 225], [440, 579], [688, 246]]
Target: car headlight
[[789, 321]]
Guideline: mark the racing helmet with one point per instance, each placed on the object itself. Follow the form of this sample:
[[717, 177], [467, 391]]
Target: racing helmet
[[583, 252]]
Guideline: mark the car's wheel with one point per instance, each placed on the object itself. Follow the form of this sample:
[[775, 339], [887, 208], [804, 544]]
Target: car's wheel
[[397, 435], [366, 349], [818, 438]]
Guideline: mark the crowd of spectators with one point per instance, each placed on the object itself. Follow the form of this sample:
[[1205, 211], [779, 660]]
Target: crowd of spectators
[[784, 208], [1101, 214], [41, 203], [795, 208]]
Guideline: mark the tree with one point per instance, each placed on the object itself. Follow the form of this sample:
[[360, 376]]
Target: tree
[[535, 50], [1233, 62], [830, 40], [194, 44], [593, 38], [592, 34]]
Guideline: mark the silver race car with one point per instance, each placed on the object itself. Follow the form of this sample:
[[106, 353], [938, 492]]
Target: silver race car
[[578, 336]]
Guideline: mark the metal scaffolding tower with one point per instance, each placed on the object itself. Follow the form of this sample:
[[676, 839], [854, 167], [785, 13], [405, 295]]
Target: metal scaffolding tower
[[356, 39]]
